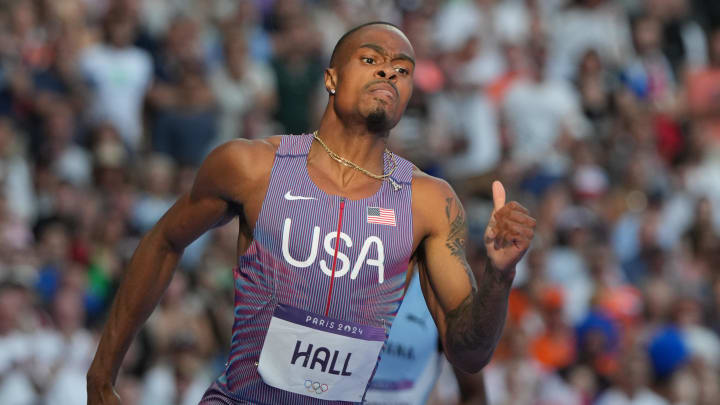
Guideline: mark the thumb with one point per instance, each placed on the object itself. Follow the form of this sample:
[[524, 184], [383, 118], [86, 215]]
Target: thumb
[[498, 192]]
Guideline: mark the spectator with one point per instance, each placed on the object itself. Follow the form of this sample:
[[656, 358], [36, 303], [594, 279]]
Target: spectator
[[16, 175], [703, 344], [297, 70], [57, 145], [554, 348], [669, 357], [649, 75], [158, 196], [631, 383], [241, 86], [179, 320], [518, 378], [493, 21], [588, 24], [544, 118], [595, 84], [187, 128], [63, 353], [119, 74], [63, 77], [684, 41], [515, 60], [182, 380], [16, 350], [703, 90], [180, 46]]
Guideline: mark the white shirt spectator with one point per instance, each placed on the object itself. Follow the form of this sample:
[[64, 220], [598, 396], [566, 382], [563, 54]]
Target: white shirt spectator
[[160, 387], [487, 65], [62, 363], [568, 269], [73, 165], [16, 177], [457, 21], [520, 381], [16, 387], [236, 97], [702, 181], [527, 383], [703, 343], [604, 28], [555, 391], [15, 174], [676, 218], [537, 113], [475, 117], [695, 43], [616, 397], [149, 209], [119, 77]]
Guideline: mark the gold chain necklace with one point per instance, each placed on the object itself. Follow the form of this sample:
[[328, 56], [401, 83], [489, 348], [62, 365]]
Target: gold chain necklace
[[348, 163]]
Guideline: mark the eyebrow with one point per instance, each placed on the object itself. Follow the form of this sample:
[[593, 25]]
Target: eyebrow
[[379, 49]]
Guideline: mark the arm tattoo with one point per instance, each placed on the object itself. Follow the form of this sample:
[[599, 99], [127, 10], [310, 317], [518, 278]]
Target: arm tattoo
[[457, 237], [477, 323]]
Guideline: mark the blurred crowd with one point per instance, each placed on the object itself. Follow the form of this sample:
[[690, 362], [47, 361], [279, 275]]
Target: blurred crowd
[[601, 116]]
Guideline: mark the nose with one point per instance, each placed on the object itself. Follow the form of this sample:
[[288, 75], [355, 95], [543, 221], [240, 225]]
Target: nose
[[386, 73]]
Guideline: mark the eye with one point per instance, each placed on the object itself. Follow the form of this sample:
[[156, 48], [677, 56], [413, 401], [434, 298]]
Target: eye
[[402, 71], [368, 60]]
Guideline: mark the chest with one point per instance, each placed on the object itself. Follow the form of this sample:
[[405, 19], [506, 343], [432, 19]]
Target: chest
[[363, 240], [364, 225]]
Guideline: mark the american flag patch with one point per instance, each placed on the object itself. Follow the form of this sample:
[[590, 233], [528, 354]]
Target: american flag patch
[[382, 216]]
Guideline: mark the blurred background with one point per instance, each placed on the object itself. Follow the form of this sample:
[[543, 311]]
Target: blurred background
[[601, 116]]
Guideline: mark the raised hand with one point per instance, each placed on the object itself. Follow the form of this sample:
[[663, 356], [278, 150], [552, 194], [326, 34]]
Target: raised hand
[[509, 232]]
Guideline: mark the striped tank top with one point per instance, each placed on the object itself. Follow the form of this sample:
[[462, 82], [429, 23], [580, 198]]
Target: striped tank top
[[290, 262]]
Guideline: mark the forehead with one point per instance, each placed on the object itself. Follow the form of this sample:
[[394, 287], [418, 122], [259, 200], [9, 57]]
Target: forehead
[[388, 37]]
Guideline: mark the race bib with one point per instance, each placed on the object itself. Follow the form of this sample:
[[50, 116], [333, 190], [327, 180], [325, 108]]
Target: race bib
[[317, 356]]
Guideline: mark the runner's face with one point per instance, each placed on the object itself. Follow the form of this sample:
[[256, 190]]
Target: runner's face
[[375, 79]]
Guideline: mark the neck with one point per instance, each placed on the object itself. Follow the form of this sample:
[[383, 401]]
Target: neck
[[351, 140]]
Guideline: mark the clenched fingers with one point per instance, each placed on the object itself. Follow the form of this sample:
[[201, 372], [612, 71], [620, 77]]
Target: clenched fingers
[[511, 225]]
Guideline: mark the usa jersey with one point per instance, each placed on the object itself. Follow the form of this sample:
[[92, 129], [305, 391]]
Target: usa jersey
[[302, 236]]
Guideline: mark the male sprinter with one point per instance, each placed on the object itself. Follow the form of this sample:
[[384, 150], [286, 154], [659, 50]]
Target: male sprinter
[[331, 223]]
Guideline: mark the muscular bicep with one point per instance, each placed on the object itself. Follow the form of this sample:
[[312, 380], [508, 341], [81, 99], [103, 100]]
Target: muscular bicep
[[189, 218], [445, 274]]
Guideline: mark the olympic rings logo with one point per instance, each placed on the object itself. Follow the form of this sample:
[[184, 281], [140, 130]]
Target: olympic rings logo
[[316, 387]]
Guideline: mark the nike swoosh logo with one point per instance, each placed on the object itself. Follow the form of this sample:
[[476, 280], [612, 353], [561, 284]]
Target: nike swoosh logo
[[290, 197]]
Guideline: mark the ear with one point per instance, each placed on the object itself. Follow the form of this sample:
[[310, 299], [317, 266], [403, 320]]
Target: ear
[[331, 80]]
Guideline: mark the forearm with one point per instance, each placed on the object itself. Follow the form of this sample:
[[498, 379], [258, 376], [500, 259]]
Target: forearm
[[474, 327], [472, 388], [148, 275]]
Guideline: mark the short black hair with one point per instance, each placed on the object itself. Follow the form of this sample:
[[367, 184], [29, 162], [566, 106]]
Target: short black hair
[[343, 38]]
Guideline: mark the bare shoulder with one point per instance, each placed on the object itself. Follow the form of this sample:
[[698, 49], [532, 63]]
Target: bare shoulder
[[246, 152], [433, 200], [236, 168], [427, 186]]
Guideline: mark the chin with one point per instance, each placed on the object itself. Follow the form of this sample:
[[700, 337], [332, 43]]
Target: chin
[[378, 120]]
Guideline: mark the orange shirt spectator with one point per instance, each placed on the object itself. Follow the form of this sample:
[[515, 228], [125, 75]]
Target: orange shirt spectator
[[555, 347]]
